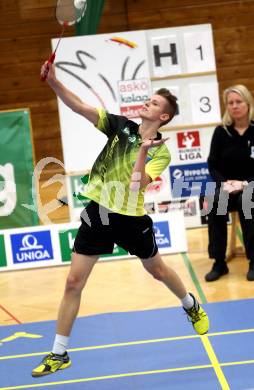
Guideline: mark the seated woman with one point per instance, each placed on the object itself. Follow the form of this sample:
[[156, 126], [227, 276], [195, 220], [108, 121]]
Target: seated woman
[[231, 165]]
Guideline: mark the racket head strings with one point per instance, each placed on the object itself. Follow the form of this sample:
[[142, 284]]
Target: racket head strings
[[68, 14]]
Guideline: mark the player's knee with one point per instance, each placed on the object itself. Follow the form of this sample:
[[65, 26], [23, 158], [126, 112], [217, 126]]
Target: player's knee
[[156, 272], [73, 284]]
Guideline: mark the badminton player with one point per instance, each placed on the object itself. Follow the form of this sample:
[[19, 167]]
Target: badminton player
[[133, 156]]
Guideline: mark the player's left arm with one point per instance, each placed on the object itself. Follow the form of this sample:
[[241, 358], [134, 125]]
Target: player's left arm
[[144, 173]]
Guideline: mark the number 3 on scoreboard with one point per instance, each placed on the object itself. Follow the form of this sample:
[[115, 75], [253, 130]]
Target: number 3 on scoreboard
[[205, 106]]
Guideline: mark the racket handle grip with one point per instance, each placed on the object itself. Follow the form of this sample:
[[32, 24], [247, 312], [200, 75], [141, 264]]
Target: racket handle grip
[[50, 61]]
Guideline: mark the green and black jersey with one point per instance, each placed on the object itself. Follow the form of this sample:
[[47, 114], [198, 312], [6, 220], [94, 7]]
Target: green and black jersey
[[111, 173]]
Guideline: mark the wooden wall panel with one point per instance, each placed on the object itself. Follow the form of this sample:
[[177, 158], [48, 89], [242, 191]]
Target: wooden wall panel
[[28, 26]]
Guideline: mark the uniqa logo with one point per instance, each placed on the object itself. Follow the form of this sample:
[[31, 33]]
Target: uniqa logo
[[161, 238], [31, 250]]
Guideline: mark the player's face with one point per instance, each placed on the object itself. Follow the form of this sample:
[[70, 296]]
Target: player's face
[[237, 107], [155, 109]]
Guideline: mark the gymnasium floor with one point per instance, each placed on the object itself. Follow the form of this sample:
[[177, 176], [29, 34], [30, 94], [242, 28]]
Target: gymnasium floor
[[153, 349]]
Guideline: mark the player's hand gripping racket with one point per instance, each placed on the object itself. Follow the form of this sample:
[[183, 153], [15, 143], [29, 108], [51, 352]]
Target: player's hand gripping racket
[[68, 13]]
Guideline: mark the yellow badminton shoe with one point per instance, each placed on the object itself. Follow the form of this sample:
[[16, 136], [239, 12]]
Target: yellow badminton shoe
[[52, 363], [198, 317]]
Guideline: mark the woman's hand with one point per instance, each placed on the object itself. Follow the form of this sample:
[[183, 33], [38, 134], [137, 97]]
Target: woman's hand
[[233, 186]]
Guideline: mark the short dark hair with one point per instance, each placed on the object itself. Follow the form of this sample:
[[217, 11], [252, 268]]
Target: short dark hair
[[172, 103]]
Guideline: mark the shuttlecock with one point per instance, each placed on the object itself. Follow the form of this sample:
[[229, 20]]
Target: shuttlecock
[[79, 4]]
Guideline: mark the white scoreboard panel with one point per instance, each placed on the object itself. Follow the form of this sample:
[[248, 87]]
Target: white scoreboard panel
[[182, 59], [181, 50]]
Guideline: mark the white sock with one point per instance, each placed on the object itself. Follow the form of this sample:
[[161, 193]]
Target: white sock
[[187, 301], [60, 344]]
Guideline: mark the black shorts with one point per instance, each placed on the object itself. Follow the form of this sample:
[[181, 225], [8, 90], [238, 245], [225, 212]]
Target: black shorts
[[101, 229]]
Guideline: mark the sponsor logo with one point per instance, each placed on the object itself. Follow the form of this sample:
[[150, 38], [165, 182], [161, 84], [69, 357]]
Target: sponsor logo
[[132, 95], [30, 247], [189, 145], [190, 173], [190, 180], [132, 86], [162, 235], [188, 139]]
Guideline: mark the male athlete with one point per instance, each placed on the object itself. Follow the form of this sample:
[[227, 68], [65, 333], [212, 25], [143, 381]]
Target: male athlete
[[133, 157]]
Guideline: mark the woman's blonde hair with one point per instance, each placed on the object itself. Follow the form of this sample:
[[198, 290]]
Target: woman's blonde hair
[[227, 120]]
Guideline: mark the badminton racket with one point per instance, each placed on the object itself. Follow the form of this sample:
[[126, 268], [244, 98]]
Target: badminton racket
[[68, 13]]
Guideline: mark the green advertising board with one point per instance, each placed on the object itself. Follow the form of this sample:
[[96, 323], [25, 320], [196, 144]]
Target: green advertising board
[[3, 259], [67, 238], [16, 170]]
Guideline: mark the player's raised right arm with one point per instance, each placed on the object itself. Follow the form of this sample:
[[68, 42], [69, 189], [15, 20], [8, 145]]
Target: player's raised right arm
[[69, 98]]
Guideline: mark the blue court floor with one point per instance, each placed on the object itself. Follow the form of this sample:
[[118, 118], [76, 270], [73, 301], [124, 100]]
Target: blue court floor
[[145, 350]]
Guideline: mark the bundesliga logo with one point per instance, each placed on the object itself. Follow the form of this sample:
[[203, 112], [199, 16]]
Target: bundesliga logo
[[188, 139], [189, 145]]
